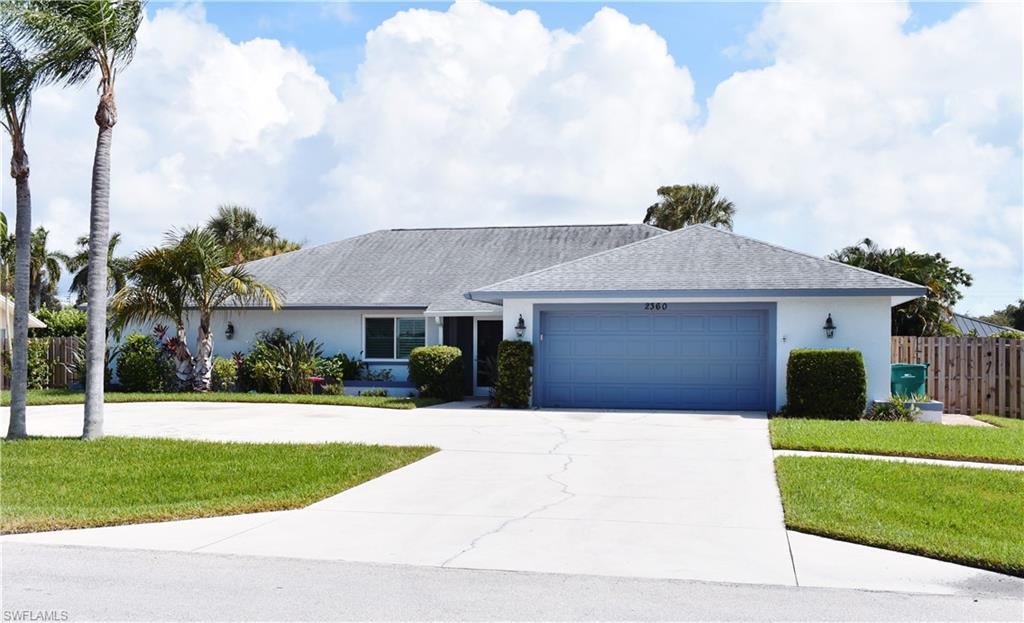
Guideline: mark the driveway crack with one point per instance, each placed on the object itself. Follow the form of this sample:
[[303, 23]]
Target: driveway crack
[[567, 494]]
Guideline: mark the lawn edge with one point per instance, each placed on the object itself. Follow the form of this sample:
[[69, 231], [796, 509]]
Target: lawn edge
[[905, 455]]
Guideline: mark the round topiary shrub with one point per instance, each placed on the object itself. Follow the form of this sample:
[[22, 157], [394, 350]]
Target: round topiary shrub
[[138, 364], [437, 371], [515, 373]]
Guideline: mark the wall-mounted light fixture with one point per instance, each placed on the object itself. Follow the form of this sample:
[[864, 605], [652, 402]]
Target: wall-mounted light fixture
[[520, 327], [830, 327], [229, 332]]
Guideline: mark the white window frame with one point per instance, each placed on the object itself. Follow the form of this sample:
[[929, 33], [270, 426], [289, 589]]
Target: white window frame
[[394, 345]]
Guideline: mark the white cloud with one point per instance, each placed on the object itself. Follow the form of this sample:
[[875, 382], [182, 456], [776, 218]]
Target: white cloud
[[853, 126]]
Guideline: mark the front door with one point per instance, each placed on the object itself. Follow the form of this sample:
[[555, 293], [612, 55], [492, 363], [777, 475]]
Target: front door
[[488, 336]]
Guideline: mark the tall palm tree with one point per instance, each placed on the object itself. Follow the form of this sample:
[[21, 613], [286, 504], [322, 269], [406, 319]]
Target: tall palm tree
[[7, 250], [189, 272], [78, 263], [689, 205], [18, 76], [245, 235], [77, 39], [45, 268]]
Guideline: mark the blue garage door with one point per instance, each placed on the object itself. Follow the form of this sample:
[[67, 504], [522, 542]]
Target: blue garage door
[[674, 358]]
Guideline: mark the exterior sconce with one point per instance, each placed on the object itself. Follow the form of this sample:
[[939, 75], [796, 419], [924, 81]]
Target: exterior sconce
[[520, 327], [830, 327], [229, 332]]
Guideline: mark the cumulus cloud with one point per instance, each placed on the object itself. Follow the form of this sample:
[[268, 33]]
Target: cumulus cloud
[[852, 126]]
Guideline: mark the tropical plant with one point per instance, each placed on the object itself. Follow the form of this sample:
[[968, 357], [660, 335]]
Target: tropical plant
[[18, 77], [45, 269], [689, 205], [68, 322], [188, 272], [7, 251], [897, 409], [1011, 334], [1011, 316], [246, 236], [224, 375], [922, 316], [340, 367], [78, 263], [77, 39], [139, 364]]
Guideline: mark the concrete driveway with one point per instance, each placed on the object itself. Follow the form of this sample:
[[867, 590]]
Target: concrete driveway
[[661, 495]]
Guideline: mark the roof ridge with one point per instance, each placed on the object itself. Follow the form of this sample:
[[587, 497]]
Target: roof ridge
[[522, 227]]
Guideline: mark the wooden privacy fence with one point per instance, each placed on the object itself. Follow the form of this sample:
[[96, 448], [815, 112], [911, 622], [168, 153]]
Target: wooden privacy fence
[[970, 375], [60, 353]]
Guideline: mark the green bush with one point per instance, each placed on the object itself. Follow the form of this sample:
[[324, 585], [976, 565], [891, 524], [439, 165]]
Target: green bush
[[60, 323], [138, 364], [437, 371], [280, 362], [224, 374], [340, 367], [898, 409], [829, 384], [515, 373], [38, 362]]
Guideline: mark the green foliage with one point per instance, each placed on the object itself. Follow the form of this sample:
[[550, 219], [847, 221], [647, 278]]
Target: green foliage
[[138, 364], [829, 384], [333, 389], [922, 316], [689, 205], [38, 362], [374, 392], [245, 236], [897, 409], [68, 322], [384, 374], [340, 367], [1009, 334], [1010, 316], [267, 376], [280, 361], [224, 374], [515, 373], [437, 371]]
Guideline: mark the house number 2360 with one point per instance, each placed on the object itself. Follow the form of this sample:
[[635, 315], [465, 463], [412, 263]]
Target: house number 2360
[[655, 306]]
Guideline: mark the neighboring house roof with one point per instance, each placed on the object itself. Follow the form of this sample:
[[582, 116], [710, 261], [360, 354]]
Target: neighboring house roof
[[701, 261], [981, 328], [7, 310], [430, 268]]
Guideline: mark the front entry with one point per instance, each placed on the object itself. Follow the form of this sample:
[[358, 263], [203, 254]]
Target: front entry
[[654, 356], [488, 336]]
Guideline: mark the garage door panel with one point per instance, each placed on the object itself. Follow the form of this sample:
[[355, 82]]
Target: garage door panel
[[675, 359]]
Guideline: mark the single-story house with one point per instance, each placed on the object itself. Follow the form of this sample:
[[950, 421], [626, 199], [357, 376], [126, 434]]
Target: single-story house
[[621, 316]]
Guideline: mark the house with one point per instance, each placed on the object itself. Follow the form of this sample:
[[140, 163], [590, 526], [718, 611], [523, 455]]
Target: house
[[621, 316], [975, 326], [7, 324]]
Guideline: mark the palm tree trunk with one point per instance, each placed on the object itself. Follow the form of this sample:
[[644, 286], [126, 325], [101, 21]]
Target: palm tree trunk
[[99, 234], [204, 356], [23, 240], [182, 359]]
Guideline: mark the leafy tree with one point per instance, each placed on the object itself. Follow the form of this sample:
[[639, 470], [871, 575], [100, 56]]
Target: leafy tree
[[61, 323], [78, 263], [923, 316], [18, 77], [689, 205], [245, 236], [77, 39], [1010, 316], [188, 272]]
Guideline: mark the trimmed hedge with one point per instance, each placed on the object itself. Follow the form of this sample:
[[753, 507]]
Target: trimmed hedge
[[138, 365], [829, 384], [515, 373], [437, 371]]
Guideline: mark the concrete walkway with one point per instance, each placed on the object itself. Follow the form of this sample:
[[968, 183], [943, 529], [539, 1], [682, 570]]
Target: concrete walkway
[[656, 495]]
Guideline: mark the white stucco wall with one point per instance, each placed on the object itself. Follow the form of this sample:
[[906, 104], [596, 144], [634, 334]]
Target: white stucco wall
[[863, 324]]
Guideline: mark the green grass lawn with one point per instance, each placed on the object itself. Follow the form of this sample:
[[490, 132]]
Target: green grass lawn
[[64, 397], [52, 483], [970, 516], [968, 443], [1001, 422]]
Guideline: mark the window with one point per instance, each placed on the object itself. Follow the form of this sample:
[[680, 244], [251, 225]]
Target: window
[[393, 338]]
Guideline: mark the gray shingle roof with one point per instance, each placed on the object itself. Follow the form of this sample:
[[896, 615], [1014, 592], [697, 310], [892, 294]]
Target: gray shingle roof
[[430, 268], [699, 258]]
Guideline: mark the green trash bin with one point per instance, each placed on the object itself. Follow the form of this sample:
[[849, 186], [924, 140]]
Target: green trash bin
[[908, 379]]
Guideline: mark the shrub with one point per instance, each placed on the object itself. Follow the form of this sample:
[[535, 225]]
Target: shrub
[[1012, 334], [333, 389], [38, 362], [60, 323], [224, 374], [515, 373], [437, 371], [898, 409], [830, 384], [279, 362], [375, 392], [267, 376], [340, 367], [138, 365]]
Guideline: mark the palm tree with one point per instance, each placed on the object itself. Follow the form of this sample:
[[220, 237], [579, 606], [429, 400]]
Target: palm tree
[[78, 263], [189, 272], [45, 268], [689, 205], [18, 76], [245, 235], [7, 251], [76, 39]]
